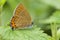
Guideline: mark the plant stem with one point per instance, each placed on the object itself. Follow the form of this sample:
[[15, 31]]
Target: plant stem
[[54, 31]]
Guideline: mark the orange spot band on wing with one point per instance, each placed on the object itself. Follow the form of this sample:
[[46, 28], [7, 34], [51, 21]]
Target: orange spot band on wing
[[13, 24]]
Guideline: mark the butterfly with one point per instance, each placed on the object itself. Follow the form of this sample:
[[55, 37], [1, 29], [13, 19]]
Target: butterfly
[[21, 18]]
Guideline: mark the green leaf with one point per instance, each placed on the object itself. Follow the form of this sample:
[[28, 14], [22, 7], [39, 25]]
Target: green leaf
[[29, 34], [2, 2]]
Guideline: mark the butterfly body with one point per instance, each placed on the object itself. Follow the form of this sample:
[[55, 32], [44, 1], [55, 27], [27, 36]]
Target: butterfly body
[[21, 18]]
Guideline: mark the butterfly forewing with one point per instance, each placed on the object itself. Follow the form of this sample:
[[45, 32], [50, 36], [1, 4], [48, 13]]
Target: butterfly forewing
[[21, 18]]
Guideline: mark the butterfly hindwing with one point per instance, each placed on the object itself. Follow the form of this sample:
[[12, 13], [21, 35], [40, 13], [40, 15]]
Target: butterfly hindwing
[[21, 18]]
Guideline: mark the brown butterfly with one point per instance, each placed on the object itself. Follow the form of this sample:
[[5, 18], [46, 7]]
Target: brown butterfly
[[21, 18]]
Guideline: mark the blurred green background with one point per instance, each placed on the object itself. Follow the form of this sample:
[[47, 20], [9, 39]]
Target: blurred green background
[[43, 12]]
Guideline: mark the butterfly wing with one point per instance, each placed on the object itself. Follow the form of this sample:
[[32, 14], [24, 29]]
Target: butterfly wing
[[21, 18]]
